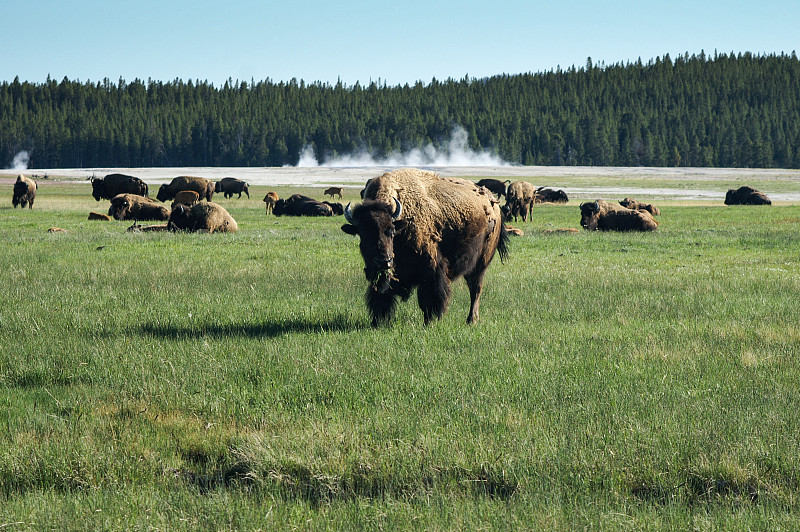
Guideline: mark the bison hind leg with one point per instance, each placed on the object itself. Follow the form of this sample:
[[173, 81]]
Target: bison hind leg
[[433, 294], [475, 284]]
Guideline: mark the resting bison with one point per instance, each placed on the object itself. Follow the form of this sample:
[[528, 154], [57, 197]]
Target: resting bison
[[204, 217], [230, 186], [24, 192], [99, 216], [334, 191], [746, 196], [595, 216], [115, 184], [497, 187], [133, 207], [630, 203], [204, 187], [270, 199], [520, 198], [299, 205], [418, 230], [549, 195]]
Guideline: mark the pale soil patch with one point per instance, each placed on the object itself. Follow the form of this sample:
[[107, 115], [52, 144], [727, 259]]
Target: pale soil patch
[[682, 184]]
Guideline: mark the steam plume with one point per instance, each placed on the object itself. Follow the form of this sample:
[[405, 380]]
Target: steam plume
[[454, 152], [21, 161]]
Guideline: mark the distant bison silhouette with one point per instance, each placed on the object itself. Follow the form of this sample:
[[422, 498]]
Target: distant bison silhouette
[[746, 196]]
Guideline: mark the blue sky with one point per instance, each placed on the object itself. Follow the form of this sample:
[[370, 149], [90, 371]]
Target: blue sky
[[397, 42]]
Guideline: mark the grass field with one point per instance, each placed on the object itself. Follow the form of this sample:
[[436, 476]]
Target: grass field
[[184, 381]]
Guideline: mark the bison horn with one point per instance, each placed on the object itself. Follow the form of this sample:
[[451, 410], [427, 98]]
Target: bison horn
[[398, 210], [348, 215]]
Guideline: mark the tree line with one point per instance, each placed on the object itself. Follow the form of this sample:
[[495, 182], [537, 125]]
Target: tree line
[[726, 110]]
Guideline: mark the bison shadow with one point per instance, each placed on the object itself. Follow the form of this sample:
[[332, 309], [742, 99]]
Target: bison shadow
[[270, 328]]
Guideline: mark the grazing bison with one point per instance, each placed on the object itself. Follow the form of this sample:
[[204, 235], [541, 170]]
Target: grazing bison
[[746, 196], [596, 216], [630, 203], [520, 198], [299, 205], [24, 192], [549, 195], [418, 230], [497, 187], [334, 191], [115, 184], [204, 217], [204, 187], [134, 207], [270, 199], [230, 186]]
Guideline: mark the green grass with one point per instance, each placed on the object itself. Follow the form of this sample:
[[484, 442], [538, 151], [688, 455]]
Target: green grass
[[615, 381]]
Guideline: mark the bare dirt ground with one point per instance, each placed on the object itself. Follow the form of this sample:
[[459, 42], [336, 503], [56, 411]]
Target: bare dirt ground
[[707, 184]]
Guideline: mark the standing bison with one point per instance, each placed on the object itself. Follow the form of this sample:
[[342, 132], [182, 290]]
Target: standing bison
[[520, 198], [746, 196], [24, 192], [334, 191], [271, 199], [230, 186], [497, 187], [418, 230], [206, 217], [137, 208], [606, 216], [204, 187], [115, 184]]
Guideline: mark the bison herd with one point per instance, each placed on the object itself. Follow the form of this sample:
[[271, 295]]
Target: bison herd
[[417, 230]]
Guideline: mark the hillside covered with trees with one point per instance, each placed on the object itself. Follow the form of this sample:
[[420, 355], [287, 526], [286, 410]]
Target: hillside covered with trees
[[728, 110]]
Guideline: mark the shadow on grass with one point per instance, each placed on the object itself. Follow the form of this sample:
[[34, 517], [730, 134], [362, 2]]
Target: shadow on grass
[[270, 328]]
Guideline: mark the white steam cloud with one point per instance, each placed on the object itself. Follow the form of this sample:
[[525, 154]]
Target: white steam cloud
[[453, 152], [21, 161]]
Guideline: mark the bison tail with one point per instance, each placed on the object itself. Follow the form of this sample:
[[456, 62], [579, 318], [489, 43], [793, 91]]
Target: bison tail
[[502, 244]]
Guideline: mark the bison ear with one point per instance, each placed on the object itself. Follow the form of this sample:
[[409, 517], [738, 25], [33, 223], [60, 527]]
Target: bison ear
[[399, 225], [350, 229]]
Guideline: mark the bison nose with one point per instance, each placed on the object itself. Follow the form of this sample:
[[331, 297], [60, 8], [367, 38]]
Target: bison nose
[[384, 263]]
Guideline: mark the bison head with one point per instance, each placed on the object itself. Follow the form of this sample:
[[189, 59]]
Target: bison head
[[98, 189], [590, 215], [179, 218], [376, 223], [120, 208], [164, 193]]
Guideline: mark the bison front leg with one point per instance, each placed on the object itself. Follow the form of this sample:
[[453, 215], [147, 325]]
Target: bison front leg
[[381, 306], [475, 284], [433, 294]]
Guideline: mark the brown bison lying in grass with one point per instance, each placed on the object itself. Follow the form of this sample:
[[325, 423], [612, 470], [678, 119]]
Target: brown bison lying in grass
[[205, 217], [746, 196], [630, 203], [133, 207], [551, 195], [418, 230], [597, 216], [24, 192]]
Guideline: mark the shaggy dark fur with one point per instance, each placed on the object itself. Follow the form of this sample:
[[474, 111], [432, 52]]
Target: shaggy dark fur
[[299, 205], [133, 207], [115, 184], [549, 195], [746, 196]]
